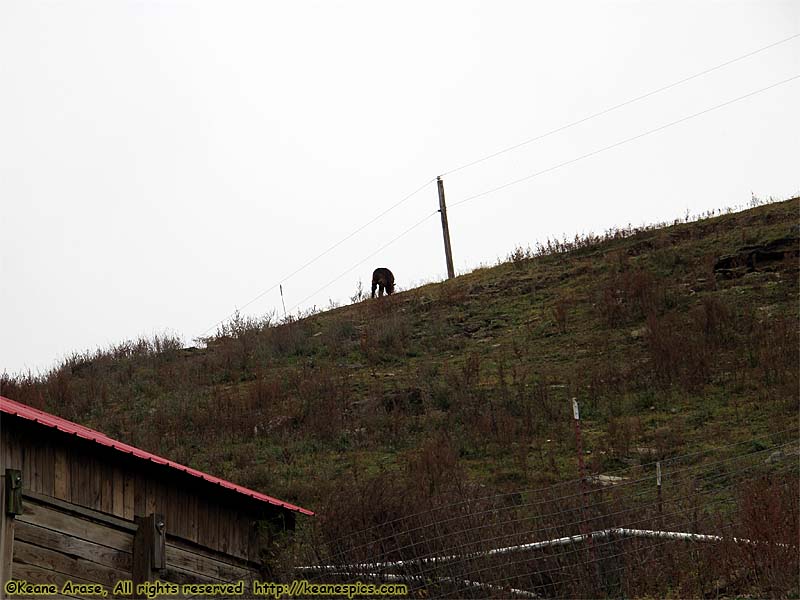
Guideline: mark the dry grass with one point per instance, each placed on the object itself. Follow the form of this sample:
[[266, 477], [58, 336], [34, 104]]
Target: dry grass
[[461, 389]]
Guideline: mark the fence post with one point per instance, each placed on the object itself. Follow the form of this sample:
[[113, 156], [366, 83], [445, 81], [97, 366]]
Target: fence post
[[658, 485], [576, 417], [584, 526]]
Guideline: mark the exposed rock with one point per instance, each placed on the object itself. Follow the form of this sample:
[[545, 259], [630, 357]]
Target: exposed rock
[[768, 310], [639, 248], [644, 451], [606, 480], [776, 456], [407, 400], [763, 257]]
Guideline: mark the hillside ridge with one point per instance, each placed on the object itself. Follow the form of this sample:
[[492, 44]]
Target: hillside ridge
[[473, 376]]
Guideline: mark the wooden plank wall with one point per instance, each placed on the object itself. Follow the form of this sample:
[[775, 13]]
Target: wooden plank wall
[[53, 545], [187, 563], [82, 473]]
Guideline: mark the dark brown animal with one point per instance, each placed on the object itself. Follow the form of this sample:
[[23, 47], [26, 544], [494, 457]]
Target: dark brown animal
[[382, 279]]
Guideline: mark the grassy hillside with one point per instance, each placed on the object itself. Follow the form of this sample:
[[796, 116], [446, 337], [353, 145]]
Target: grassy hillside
[[468, 382]]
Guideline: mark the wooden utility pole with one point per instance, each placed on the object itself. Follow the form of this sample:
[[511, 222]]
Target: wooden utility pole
[[448, 253]]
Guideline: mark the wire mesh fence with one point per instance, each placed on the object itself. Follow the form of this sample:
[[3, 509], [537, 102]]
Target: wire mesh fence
[[719, 519]]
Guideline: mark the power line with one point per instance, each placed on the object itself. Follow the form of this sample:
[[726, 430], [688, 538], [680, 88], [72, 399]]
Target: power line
[[617, 106], [620, 143], [316, 258], [358, 264], [508, 149], [553, 168]]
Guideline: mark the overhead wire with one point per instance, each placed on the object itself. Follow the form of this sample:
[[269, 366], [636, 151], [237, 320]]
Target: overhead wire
[[320, 255], [505, 150], [365, 259], [553, 168], [620, 105], [622, 142]]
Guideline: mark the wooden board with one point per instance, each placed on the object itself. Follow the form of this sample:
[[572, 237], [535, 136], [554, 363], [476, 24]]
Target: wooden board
[[27, 467], [175, 574], [129, 496], [77, 480], [34, 574], [73, 546], [13, 448], [69, 566], [118, 492], [104, 482], [194, 560], [139, 495], [37, 574], [61, 488], [85, 529], [47, 466], [79, 511], [191, 524]]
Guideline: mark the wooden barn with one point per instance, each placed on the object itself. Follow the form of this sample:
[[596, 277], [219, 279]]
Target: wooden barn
[[81, 507]]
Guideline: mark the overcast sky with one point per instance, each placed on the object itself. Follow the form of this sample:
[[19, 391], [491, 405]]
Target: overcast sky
[[163, 163]]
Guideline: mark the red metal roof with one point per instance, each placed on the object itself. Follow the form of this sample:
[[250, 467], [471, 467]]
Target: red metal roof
[[12, 407]]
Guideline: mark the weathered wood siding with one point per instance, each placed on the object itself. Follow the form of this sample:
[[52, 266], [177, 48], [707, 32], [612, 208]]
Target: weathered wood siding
[[81, 501], [54, 545], [187, 563], [83, 473]]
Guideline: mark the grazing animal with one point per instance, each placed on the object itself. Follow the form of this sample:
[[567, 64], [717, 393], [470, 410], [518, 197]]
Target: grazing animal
[[382, 279]]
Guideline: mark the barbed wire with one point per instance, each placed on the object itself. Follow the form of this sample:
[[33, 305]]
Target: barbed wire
[[617, 106]]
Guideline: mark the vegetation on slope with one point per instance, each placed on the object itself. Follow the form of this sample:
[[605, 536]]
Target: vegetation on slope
[[467, 383]]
